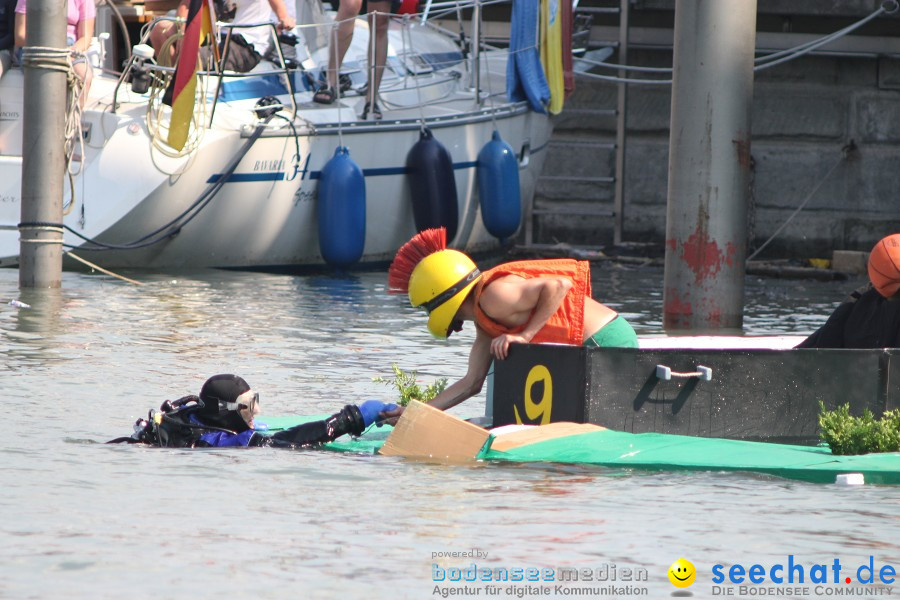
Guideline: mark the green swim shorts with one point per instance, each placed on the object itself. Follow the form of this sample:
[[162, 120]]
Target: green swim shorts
[[618, 333]]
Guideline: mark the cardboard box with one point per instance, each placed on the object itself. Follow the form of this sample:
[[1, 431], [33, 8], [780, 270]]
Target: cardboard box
[[429, 433], [426, 432]]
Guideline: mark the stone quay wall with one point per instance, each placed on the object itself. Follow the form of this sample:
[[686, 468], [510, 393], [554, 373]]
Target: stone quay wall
[[806, 113]]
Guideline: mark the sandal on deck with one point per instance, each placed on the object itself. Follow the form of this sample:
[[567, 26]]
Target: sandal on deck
[[371, 109], [325, 95]]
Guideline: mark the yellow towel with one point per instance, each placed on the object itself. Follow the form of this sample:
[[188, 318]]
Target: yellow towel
[[551, 52]]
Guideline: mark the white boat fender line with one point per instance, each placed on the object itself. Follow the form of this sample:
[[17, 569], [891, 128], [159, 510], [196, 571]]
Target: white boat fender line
[[101, 269], [666, 374], [41, 226]]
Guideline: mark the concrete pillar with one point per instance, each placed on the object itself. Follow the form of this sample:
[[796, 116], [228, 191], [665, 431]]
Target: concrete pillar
[[709, 164], [43, 161]]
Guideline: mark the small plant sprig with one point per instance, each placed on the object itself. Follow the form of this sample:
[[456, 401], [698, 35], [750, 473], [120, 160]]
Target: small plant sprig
[[846, 434], [409, 389]]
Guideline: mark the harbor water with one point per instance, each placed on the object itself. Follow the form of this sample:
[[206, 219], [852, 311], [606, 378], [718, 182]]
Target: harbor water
[[81, 519]]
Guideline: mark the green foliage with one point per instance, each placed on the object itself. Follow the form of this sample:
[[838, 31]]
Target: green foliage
[[846, 434], [408, 387]]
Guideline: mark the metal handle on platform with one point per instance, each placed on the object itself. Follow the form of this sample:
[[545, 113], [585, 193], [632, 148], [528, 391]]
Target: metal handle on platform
[[666, 374]]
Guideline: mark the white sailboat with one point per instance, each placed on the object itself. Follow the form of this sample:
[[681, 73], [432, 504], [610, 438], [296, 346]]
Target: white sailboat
[[244, 191]]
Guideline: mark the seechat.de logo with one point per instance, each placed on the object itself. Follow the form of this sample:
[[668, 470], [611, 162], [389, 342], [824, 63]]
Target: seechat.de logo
[[682, 573]]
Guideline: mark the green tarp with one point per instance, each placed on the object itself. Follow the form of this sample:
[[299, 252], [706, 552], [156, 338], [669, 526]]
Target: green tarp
[[658, 451]]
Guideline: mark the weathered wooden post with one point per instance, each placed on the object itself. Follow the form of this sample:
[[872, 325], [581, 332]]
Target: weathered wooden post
[[709, 164], [43, 162]]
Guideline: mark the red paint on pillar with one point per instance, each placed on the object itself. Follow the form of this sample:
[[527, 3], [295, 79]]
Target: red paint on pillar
[[676, 312], [742, 146], [730, 252], [714, 316], [702, 255]]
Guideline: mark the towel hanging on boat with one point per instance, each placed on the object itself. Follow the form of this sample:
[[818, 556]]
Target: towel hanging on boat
[[551, 52], [525, 79]]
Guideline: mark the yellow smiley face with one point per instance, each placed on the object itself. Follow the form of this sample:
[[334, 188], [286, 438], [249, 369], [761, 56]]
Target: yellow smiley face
[[682, 573]]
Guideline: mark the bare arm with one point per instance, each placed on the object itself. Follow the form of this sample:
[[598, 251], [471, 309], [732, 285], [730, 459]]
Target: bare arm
[[85, 31], [470, 384], [19, 27], [285, 21], [514, 301]]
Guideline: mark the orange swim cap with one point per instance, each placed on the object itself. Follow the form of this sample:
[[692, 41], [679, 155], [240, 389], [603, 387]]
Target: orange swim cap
[[884, 265]]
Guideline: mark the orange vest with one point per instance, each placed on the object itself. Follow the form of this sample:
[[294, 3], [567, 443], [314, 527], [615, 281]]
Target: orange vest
[[566, 325]]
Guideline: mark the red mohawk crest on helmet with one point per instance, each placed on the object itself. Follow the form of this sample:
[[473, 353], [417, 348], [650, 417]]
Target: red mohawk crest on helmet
[[408, 256]]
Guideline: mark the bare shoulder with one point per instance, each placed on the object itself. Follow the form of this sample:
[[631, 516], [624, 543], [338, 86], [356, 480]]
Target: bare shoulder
[[509, 296], [505, 289]]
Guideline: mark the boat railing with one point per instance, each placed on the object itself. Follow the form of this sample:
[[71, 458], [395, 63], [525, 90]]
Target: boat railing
[[219, 72], [136, 60], [215, 70], [283, 70]]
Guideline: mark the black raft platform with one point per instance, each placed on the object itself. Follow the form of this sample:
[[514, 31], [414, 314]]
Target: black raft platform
[[739, 393]]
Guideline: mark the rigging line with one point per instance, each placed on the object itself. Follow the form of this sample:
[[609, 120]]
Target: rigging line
[[888, 7], [175, 225], [408, 33], [762, 62], [101, 269], [845, 153], [819, 43], [624, 79]]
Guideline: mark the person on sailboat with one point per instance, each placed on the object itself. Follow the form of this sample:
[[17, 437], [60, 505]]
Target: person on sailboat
[[530, 301], [80, 17], [248, 45], [7, 33], [224, 413], [870, 316], [379, 20]]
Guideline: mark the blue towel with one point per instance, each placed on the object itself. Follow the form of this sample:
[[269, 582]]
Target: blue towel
[[525, 79]]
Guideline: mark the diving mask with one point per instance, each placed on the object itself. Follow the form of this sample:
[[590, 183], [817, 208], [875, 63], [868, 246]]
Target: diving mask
[[247, 404]]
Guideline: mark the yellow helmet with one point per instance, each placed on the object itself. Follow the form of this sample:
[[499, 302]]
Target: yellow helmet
[[439, 284]]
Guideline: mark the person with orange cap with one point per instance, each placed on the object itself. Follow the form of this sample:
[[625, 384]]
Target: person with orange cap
[[528, 301], [870, 317]]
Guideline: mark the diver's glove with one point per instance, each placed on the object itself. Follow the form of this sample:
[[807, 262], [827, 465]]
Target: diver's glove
[[370, 409]]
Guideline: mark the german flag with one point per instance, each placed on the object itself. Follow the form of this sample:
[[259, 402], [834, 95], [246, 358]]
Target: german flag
[[182, 88]]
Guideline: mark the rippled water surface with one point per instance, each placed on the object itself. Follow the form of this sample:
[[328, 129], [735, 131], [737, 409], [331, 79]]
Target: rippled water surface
[[86, 520]]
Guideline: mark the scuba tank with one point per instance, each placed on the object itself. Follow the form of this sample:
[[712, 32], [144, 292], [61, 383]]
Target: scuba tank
[[171, 426]]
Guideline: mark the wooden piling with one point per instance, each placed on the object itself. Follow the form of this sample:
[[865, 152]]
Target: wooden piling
[[43, 161]]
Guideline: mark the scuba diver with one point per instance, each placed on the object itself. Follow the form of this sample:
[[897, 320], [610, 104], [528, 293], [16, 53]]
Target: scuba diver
[[223, 414]]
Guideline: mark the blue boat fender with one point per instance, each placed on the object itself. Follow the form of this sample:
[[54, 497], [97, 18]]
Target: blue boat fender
[[341, 207], [433, 185], [498, 188]]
